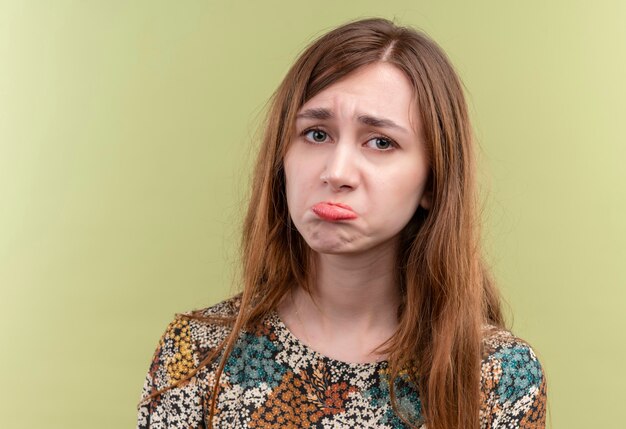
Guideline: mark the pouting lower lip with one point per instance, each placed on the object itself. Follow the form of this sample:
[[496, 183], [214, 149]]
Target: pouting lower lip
[[334, 211]]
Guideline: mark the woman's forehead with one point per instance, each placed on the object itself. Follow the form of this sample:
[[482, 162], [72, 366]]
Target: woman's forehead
[[377, 94]]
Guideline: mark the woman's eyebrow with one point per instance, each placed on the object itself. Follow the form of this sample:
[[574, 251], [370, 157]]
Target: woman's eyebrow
[[317, 113], [380, 122], [325, 114]]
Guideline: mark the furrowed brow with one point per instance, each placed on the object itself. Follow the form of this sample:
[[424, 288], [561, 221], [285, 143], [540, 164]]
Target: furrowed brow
[[319, 114], [322, 114], [380, 122]]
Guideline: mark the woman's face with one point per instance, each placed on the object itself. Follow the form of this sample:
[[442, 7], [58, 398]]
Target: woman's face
[[356, 167]]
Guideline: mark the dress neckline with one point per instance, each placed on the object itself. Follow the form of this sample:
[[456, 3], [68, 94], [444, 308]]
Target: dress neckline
[[306, 350]]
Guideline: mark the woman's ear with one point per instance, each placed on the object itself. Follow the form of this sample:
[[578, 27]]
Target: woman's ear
[[427, 199]]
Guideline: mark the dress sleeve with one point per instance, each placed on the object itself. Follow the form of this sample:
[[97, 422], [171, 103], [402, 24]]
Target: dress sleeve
[[180, 406], [513, 388]]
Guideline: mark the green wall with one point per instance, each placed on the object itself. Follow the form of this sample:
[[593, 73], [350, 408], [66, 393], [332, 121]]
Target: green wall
[[125, 131]]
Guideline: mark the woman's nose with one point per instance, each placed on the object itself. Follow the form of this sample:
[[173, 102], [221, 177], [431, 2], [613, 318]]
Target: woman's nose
[[341, 172]]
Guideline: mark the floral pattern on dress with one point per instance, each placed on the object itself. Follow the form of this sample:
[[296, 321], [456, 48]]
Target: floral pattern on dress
[[273, 380], [520, 373], [513, 386], [252, 362], [302, 400], [407, 399]]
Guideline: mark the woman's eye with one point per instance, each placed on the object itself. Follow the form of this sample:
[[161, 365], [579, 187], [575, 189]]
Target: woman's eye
[[380, 143], [318, 136]]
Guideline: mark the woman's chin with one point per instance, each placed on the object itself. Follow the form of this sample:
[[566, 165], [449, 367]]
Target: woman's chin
[[334, 247]]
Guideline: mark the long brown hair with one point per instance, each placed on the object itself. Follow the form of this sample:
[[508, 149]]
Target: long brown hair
[[448, 296]]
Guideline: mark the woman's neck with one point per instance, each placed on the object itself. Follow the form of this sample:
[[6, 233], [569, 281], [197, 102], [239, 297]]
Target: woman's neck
[[356, 292], [353, 304]]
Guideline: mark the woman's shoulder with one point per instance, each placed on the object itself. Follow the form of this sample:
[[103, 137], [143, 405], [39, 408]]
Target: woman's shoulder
[[205, 327], [496, 339], [226, 308], [513, 383], [190, 337], [177, 378]]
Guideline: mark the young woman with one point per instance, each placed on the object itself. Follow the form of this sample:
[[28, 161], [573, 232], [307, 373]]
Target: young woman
[[365, 302]]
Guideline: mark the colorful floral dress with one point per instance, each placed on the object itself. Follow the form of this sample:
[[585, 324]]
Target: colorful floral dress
[[273, 380]]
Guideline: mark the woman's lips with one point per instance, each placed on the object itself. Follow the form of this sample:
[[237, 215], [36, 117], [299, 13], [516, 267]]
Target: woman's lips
[[333, 211]]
